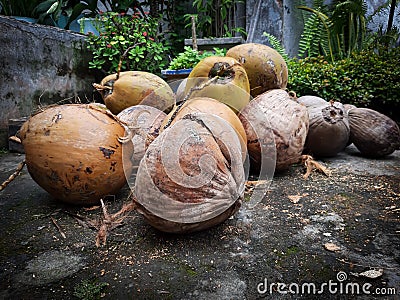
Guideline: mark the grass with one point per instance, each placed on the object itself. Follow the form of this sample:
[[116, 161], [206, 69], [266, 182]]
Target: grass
[[89, 289]]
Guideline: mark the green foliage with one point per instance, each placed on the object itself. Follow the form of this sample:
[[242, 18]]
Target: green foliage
[[365, 79], [146, 50], [215, 18], [333, 31], [89, 290], [23, 8], [276, 44], [189, 58]]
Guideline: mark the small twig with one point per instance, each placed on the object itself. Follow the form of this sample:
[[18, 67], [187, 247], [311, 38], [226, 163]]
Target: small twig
[[58, 227], [123, 56], [13, 175], [195, 88], [311, 164]]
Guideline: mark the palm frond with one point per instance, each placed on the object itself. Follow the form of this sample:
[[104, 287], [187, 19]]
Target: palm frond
[[276, 44]]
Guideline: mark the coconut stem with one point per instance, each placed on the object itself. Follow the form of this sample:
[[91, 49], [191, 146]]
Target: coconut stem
[[13, 175], [195, 88], [123, 56]]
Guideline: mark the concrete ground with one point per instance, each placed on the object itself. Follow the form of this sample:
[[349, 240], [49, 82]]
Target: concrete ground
[[338, 236]]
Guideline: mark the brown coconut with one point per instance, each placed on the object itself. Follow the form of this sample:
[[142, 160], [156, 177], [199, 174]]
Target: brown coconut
[[265, 67], [373, 133], [73, 152], [186, 182], [133, 88], [276, 129], [309, 101], [329, 129], [209, 106]]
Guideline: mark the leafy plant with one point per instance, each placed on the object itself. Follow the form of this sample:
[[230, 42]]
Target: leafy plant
[[49, 11], [135, 36], [90, 8], [22, 8], [276, 44], [215, 18], [333, 31], [89, 290], [190, 57], [365, 79]]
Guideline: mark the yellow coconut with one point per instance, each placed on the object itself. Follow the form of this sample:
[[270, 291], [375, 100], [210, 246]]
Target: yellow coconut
[[264, 66], [133, 88], [220, 78]]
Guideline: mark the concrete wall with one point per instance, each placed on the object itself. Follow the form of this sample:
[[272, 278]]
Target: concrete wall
[[39, 65]]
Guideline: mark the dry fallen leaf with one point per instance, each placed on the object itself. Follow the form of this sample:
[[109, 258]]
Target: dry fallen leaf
[[296, 198], [372, 273], [332, 247]]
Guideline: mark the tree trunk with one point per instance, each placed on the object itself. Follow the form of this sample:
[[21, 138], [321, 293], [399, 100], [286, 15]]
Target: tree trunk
[[391, 16]]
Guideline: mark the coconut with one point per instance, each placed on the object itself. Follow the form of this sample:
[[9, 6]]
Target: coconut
[[192, 183], [276, 129], [373, 133], [265, 67], [329, 130], [210, 106], [133, 88], [73, 152], [220, 78], [309, 101], [144, 124]]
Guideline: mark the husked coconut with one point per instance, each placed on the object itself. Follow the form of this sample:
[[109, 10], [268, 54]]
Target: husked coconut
[[210, 106], [274, 125], [73, 152], [186, 181], [373, 133], [329, 129]]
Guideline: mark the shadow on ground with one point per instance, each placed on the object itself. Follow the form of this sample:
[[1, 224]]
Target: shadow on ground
[[307, 238]]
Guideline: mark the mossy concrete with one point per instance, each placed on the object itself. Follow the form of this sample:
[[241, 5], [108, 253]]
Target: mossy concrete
[[40, 65], [278, 241]]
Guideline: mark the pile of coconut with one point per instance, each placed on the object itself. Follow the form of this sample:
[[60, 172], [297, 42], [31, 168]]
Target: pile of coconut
[[186, 154]]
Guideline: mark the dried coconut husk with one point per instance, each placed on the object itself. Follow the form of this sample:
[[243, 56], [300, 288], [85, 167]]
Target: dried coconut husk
[[74, 153], [209, 106], [374, 134], [144, 124], [329, 130], [186, 181], [274, 125], [310, 101]]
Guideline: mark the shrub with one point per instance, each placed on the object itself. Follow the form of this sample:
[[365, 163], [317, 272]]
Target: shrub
[[365, 79], [190, 57], [138, 35]]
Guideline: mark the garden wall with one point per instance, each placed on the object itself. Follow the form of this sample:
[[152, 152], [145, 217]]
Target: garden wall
[[39, 65]]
